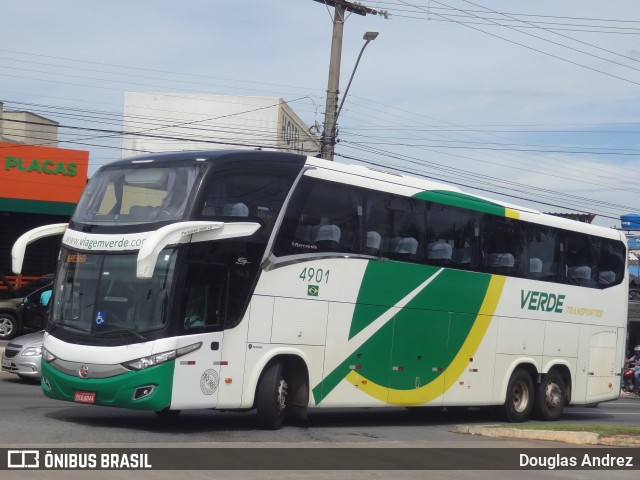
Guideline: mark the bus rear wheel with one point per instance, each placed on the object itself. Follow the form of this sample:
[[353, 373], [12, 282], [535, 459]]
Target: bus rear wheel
[[519, 402], [551, 397], [271, 398]]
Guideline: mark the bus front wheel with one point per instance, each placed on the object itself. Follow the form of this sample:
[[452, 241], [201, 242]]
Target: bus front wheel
[[519, 401], [271, 398], [551, 397]]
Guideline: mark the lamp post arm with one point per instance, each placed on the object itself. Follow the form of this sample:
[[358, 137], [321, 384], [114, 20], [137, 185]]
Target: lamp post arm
[[335, 120]]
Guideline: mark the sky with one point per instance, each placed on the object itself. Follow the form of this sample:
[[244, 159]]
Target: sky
[[534, 103]]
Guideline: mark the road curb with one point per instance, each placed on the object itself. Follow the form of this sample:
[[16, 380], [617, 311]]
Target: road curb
[[578, 438]]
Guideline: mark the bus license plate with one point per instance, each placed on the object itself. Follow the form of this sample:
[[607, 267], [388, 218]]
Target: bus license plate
[[85, 397]]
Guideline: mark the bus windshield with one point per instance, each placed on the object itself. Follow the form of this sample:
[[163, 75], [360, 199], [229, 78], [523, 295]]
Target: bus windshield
[[99, 295], [130, 194]]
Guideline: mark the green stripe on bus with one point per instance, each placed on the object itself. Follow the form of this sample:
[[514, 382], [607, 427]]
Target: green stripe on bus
[[419, 341], [462, 200]]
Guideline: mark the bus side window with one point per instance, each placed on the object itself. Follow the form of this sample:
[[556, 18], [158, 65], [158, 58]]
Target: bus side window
[[580, 268], [406, 219], [611, 263], [503, 246], [452, 236], [322, 217], [543, 251]]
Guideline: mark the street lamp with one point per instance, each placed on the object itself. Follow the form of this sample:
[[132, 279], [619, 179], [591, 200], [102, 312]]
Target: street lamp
[[368, 37], [331, 113]]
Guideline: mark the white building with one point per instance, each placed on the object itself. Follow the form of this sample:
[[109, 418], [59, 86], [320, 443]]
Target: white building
[[157, 122], [17, 126]]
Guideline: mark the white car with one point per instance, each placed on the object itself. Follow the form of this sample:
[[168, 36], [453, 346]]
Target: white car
[[22, 356]]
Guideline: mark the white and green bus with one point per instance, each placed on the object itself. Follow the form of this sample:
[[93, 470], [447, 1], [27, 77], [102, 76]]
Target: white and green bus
[[242, 280]]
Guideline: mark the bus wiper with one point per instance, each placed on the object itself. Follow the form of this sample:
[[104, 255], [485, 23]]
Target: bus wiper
[[54, 325], [120, 331]]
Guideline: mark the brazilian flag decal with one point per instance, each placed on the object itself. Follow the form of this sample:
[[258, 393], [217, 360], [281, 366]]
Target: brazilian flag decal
[[408, 320], [312, 290]]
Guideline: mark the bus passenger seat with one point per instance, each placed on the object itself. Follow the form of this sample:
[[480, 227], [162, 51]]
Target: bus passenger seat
[[404, 245], [374, 239], [439, 253], [580, 274], [500, 260], [501, 263], [326, 236], [535, 267], [235, 210], [607, 277]]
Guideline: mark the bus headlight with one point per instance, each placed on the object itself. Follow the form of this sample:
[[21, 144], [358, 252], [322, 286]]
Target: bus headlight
[[47, 355], [160, 358], [150, 361]]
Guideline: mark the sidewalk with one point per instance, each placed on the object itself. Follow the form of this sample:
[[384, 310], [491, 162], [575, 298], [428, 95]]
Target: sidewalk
[[578, 438]]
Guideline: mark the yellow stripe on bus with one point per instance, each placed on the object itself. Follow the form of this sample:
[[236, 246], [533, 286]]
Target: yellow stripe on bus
[[511, 213]]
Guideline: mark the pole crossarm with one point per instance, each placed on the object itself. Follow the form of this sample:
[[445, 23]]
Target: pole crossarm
[[356, 8]]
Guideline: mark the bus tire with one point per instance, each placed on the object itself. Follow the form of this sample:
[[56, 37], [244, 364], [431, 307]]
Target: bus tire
[[551, 397], [271, 397], [520, 398]]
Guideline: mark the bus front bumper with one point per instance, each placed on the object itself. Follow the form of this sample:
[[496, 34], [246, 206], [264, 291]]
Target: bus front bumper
[[148, 389]]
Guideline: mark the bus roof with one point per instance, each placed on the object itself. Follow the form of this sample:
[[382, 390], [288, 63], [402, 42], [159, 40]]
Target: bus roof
[[210, 156], [389, 179]]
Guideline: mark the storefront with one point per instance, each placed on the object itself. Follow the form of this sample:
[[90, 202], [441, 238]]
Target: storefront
[[38, 186]]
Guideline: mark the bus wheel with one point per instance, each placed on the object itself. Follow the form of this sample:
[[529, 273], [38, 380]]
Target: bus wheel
[[271, 398], [519, 401], [551, 397]]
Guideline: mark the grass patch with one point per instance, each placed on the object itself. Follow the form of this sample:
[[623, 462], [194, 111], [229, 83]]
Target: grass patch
[[572, 427]]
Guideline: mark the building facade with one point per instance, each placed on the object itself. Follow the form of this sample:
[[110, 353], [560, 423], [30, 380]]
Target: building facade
[[159, 122], [38, 186]]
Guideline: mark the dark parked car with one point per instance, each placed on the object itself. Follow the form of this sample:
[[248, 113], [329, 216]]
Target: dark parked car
[[19, 315], [7, 290]]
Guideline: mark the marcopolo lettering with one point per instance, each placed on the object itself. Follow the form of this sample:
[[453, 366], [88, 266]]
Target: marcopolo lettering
[[49, 167], [541, 301]]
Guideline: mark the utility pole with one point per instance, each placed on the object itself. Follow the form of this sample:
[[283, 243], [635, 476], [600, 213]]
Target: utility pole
[[327, 142]]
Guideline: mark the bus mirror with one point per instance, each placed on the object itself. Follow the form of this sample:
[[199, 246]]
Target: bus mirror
[[186, 232], [20, 246]]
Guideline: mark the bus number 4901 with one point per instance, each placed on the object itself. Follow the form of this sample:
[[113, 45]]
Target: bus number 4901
[[312, 274]]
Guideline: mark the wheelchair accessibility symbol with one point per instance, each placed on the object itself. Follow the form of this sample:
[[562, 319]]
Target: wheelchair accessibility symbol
[[101, 318]]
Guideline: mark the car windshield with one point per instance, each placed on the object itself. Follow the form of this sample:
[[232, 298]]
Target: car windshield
[[134, 194], [98, 294]]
